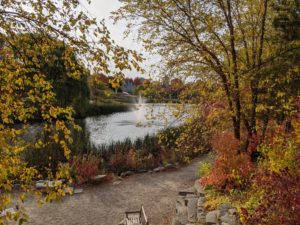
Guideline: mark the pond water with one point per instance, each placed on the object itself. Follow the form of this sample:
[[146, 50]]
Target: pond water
[[142, 120]]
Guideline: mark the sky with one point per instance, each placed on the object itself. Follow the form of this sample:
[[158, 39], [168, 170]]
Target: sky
[[101, 9]]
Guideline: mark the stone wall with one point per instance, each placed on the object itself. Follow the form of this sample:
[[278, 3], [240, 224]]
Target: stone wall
[[190, 210]]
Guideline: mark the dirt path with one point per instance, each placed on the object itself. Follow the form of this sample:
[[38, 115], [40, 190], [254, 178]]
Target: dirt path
[[105, 204]]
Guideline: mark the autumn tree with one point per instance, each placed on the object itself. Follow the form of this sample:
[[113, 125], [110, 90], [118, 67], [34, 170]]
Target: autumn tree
[[176, 86], [229, 42], [28, 93], [69, 90]]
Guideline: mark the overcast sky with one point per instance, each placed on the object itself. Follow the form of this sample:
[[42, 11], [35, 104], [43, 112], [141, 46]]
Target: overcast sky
[[101, 9]]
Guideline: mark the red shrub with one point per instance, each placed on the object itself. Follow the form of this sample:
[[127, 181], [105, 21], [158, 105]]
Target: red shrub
[[225, 144], [117, 162], [229, 172], [281, 205], [85, 167], [120, 162], [231, 169]]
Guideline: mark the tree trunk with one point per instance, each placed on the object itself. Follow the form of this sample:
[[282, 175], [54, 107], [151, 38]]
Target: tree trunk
[[237, 128]]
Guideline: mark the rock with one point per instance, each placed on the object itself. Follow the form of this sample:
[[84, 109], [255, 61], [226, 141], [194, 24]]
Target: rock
[[192, 208], [176, 222], [78, 191], [201, 217], [127, 173], [181, 210], [119, 178], [99, 178], [188, 191], [211, 217], [123, 222], [227, 218], [8, 211], [168, 166], [191, 195], [159, 169], [40, 184], [117, 182], [232, 211], [223, 209], [201, 201], [47, 184], [68, 190], [199, 189], [142, 171]]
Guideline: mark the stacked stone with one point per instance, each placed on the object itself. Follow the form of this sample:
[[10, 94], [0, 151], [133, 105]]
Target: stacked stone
[[189, 206], [224, 215], [190, 210]]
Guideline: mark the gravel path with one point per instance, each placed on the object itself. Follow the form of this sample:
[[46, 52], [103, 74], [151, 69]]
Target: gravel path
[[105, 204]]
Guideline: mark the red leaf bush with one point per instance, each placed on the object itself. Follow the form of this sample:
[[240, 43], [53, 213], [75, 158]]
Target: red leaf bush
[[85, 167], [117, 162], [281, 202], [120, 161], [232, 170]]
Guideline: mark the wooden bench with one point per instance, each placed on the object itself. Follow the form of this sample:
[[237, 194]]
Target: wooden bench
[[136, 217]]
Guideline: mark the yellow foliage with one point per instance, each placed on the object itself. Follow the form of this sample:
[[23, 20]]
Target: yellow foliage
[[26, 94], [281, 152]]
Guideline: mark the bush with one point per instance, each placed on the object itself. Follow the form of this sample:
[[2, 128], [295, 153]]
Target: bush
[[117, 162], [193, 138], [277, 181], [85, 167], [132, 160], [204, 169], [231, 170], [281, 202], [186, 141], [280, 152]]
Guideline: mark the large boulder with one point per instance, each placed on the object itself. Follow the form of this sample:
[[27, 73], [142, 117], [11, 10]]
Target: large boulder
[[192, 208], [223, 208], [212, 217], [199, 189], [229, 219], [181, 210], [227, 214], [201, 217]]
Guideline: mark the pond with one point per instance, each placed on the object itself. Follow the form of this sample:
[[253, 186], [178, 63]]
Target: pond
[[138, 122]]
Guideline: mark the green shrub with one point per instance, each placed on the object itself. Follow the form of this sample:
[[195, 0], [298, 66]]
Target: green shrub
[[204, 169]]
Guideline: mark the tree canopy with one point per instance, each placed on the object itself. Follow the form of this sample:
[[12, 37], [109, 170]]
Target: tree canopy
[[220, 41]]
